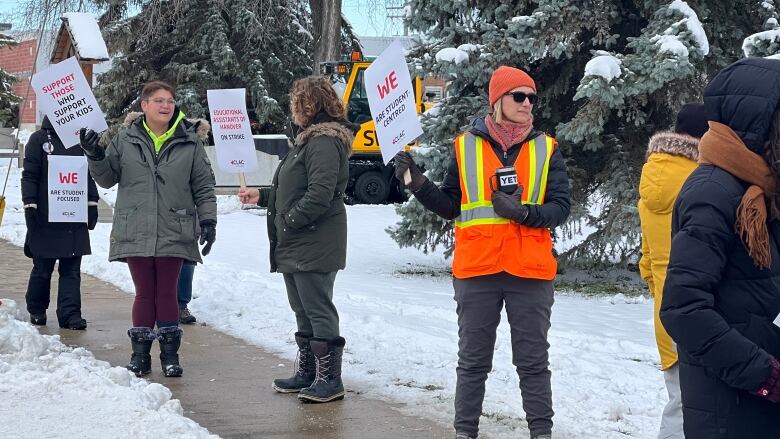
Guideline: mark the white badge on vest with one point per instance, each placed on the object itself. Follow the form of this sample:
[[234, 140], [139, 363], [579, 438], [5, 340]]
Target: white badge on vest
[[67, 189], [777, 320]]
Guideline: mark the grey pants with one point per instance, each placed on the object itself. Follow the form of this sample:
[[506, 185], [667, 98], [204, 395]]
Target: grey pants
[[528, 307], [311, 299], [672, 418]]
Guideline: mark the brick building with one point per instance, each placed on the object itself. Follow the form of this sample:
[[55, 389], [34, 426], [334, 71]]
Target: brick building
[[19, 61]]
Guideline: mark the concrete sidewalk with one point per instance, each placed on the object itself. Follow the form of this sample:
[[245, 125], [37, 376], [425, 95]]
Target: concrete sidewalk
[[226, 386]]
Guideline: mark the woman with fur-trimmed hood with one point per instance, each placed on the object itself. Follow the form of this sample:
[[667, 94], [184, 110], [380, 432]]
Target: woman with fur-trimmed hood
[[671, 157], [165, 184], [307, 229]]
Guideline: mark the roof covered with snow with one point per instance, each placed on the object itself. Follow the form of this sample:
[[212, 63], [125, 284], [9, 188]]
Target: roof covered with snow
[[80, 35]]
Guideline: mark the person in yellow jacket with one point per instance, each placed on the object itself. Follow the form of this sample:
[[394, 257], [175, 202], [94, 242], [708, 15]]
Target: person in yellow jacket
[[671, 157]]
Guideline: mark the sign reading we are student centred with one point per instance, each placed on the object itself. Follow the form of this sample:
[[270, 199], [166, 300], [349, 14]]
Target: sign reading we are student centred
[[65, 96], [391, 99], [232, 132]]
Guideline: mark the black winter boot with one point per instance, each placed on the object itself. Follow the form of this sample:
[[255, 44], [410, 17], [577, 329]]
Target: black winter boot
[[170, 341], [305, 368], [141, 340], [327, 385]]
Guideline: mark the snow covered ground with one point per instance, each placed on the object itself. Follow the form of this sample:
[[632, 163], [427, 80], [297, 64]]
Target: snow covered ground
[[398, 316], [49, 390]]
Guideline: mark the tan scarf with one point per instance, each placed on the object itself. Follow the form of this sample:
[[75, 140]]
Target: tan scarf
[[722, 147], [508, 133]]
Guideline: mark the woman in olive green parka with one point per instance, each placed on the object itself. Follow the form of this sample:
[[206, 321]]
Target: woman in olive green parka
[[165, 184], [307, 230]]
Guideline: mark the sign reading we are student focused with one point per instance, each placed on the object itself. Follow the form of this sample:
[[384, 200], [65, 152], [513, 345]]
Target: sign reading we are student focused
[[65, 96], [391, 99], [67, 189]]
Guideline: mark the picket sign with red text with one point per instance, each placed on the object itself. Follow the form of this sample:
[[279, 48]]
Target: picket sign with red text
[[65, 96], [391, 99], [67, 189], [232, 133]]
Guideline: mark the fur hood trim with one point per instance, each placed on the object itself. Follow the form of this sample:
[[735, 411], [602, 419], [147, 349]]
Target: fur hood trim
[[335, 130], [674, 144], [202, 124]]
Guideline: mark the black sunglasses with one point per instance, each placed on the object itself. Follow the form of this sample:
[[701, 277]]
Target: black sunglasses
[[520, 97]]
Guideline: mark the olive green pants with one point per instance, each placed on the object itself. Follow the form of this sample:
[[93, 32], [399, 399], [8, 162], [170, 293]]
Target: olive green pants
[[311, 299]]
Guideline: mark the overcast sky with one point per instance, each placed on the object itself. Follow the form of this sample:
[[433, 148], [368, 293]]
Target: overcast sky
[[367, 20]]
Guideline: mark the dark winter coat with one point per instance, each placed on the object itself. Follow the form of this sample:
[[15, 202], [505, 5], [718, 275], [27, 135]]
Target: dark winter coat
[[307, 221], [717, 305], [51, 240], [445, 200], [159, 195]]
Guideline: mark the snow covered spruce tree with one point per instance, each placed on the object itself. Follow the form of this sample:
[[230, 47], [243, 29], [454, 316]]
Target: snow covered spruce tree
[[609, 74], [767, 42], [198, 45], [8, 99]]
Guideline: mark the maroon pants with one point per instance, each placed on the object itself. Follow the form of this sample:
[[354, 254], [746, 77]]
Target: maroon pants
[[155, 279]]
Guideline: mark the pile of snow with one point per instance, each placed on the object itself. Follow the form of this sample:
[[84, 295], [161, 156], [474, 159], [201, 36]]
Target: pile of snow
[[451, 54], [86, 35], [670, 44], [604, 65], [468, 48], [750, 42], [51, 390], [693, 24]]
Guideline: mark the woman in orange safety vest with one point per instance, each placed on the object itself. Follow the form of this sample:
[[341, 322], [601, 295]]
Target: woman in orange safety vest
[[506, 187]]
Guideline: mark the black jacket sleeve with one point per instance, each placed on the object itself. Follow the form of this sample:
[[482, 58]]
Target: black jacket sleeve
[[444, 200], [92, 192], [31, 175], [702, 238], [557, 201]]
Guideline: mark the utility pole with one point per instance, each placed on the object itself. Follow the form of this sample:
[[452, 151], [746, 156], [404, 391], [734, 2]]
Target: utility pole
[[398, 13]]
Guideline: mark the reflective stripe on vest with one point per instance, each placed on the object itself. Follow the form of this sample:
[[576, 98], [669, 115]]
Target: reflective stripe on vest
[[476, 210]]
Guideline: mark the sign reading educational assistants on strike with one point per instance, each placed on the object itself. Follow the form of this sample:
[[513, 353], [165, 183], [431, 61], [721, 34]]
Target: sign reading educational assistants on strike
[[391, 99], [65, 96], [232, 133]]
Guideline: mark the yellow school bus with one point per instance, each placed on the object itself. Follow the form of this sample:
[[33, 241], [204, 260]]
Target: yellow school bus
[[370, 181]]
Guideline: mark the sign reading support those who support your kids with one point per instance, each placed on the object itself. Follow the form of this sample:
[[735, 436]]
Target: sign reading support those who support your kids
[[232, 133], [67, 189], [391, 99], [65, 96]]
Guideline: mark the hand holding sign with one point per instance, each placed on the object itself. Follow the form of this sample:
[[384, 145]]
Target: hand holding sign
[[89, 141], [67, 99], [391, 99]]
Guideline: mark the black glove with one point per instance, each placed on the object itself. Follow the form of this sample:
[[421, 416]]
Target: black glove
[[88, 140], [92, 217], [208, 234], [31, 218], [403, 161], [510, 206]]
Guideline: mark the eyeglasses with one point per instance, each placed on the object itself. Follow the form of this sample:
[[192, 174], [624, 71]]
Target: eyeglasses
[[520, 97], [160, 101]]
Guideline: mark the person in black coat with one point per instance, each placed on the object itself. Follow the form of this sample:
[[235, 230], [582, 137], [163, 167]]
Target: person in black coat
[[722, 290], [47, 242]]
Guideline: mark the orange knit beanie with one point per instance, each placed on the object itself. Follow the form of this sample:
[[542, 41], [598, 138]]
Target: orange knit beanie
[[505, 79]]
